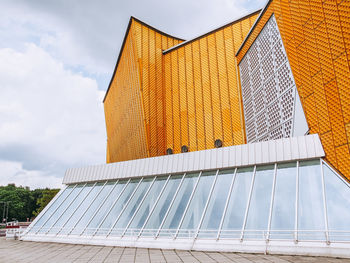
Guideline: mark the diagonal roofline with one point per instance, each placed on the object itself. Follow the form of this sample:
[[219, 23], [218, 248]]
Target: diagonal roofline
[[211, 31], [123, 44], [253, 26]]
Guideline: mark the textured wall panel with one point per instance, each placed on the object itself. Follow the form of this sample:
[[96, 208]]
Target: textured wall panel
[[316, 35], [134, 108], [268, 87], [200, 80], [282, 150]]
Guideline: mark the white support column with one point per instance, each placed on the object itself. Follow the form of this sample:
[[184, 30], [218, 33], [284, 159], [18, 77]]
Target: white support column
[[154, 206], [188, 204], [248, 204], [125, 206], [206, 205], [324, 204], [110, 209], [296, 205], [138, 207], [226, 204], [170, 206], [271, 203]]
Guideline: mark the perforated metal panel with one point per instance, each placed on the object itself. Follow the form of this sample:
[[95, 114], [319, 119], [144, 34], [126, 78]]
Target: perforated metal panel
[[268, 87]]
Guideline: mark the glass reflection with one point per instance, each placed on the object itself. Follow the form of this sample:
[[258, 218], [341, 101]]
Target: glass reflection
[[195, 210], [310, 210], [162, 206], [283, 211], [146, 206], [60, 209], [117, 208], [70, 209], [237, 205], [175, 214], [135, 201], [84, 220], [216, 205], [338, 203], [259, 209], [51, 209], [79, 211]]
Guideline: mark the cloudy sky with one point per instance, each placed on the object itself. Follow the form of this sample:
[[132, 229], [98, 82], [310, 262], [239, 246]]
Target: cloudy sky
[[56, 60]]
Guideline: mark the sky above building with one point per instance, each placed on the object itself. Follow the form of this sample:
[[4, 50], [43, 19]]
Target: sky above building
[[56, 61]]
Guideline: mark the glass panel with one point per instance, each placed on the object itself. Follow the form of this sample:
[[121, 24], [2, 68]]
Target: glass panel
[[175, 214], [162, 207], [146, 206], [51, 209], [310, 211], [259, 209], [283, 211], [84, 220], [237, 205], [338, 205], [102, 212], [81, 193], [135, 201], [80, 210], [117, 208], [195, 210], [56, 215], [215, 210]]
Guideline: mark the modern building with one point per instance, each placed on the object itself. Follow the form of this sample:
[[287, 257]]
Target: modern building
[[236, 140]]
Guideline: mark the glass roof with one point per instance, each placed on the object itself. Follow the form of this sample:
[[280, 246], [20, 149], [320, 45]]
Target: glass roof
[[287, 201]]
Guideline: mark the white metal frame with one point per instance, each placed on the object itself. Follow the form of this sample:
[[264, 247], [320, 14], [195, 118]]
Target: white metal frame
[[87, 208], [125, 206], [188, 204], [138, 207], [154, 206], [110, 209], [226, 203], [170, 206], [248, 204], [192, 241]]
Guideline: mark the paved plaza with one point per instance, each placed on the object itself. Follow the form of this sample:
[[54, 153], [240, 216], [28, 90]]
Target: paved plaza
[[20, 251]]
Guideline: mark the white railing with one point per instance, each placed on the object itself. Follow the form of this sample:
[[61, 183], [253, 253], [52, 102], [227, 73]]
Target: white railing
[[15, 233], [303, 235]]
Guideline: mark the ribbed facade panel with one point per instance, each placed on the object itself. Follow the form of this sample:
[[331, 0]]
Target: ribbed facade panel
[[123, 109], [200, 79], [316, 36], [135, 105]]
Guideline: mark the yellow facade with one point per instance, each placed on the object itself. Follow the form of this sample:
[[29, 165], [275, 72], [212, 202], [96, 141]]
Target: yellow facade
[[316, 35], [203, 101], [134, 102], [186, 96]]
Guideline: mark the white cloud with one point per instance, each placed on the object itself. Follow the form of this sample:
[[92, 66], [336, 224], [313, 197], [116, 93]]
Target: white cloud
[[50, 118], [13, 172]]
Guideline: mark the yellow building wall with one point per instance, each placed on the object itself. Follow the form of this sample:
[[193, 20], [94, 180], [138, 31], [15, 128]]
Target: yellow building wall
[[202, 90], [134, 104], [126, 136], [316, 35]]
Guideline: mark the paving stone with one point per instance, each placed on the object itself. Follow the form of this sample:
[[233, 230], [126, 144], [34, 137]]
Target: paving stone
[[24, 252]]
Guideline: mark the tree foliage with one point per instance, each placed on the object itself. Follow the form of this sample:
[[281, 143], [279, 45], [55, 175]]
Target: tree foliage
[[22, 202]]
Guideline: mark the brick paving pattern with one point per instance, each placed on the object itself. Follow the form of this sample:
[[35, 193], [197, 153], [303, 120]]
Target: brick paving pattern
[[19, 251]]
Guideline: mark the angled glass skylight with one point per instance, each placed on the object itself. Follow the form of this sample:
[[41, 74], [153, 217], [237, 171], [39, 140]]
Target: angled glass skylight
[[283, 201]]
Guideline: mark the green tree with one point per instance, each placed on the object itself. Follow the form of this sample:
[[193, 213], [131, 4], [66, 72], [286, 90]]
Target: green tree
[[22, 202], [18, 200]]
